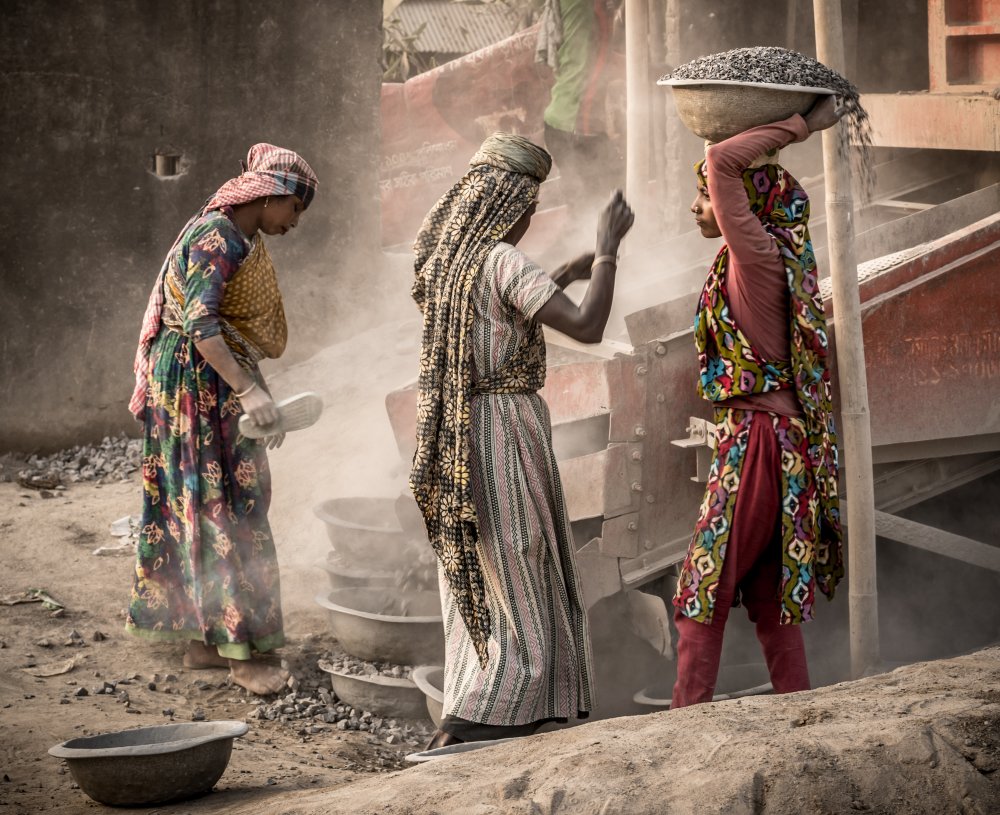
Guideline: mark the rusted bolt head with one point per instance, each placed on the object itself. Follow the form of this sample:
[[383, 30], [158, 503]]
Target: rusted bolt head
[[661, 349], [640, 370], [636, 455], [640, 431], [636, 486], [632, 526], [650, 499]]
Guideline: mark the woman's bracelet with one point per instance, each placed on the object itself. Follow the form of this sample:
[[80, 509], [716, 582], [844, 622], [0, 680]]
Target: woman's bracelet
[[612, 259], [252, 386]]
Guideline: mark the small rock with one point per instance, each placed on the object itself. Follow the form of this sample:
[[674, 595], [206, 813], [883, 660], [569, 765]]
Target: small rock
[[151, 685], [81, 692], [43, 643], [198, 715], [59, 612], [46, 494], [99, 636], [168, 711], [342, 724], [64, 701], [270, 782]]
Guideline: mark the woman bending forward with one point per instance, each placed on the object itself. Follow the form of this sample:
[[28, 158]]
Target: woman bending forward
[[206, 572]]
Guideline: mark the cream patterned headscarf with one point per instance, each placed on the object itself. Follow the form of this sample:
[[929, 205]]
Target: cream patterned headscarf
[[451, 247]]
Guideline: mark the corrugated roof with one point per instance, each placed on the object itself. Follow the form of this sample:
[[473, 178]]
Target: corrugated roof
[[454, 28]]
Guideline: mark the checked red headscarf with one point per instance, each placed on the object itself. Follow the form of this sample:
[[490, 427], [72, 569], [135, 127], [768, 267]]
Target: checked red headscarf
[[268, 170]]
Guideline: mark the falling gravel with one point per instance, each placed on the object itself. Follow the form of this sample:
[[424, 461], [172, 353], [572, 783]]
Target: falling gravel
[[780, 66]]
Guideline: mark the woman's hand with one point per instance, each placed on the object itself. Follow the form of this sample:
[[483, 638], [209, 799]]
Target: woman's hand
[[273, 442], [576, 269], [825, 113], [259, 406], [615, 221]]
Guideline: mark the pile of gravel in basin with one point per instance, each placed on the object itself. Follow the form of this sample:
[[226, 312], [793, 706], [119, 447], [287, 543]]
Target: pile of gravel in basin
[[780, 66]]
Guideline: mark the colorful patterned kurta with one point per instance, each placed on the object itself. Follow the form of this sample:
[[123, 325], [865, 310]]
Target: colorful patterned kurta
[[539, 663], [732, 367], [206, 567]]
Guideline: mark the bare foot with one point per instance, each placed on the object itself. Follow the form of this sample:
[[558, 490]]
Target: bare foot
[[258, 677], [441, 739], [199, 656]]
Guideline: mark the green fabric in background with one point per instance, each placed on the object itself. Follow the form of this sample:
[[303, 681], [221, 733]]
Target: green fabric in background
[[574, 64]]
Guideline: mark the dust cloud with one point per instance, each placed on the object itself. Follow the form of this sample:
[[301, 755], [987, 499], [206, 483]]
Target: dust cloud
[[352, 451]]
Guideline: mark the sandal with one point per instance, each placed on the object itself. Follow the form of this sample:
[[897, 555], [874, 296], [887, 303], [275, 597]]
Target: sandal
[[295, 413]]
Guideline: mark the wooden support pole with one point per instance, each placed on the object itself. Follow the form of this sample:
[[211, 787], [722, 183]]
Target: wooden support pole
[[637, 93], [856, 440]]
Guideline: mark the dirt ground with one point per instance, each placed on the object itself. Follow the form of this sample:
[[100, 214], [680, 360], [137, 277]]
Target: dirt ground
[[923, 739], [47, 543]]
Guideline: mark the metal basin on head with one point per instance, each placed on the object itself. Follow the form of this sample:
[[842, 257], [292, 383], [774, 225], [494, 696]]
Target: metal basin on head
[[716, 109], [151, 765], [385, 625]]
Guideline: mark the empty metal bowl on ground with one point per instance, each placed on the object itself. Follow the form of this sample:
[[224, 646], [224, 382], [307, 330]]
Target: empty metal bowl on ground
[[366, 531], [345, 574], [385, 695], [151, 765], [430, 680], [453, 750], [734, 682], [716, 109], [381, 625]]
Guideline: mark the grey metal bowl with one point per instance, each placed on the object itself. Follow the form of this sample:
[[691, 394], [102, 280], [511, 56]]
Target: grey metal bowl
[[384, 695], [430, 680], [365, 530], [343, 574], [734, 682], [717, 109], [400, 626], [151, 765]]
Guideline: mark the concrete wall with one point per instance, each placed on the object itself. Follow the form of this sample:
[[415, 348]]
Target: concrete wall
[[89, 90]]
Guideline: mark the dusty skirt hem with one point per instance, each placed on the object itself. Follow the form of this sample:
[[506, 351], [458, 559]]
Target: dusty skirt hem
[[227, 650]]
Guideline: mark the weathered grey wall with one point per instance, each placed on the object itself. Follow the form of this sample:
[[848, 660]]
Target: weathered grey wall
[[89, 89]]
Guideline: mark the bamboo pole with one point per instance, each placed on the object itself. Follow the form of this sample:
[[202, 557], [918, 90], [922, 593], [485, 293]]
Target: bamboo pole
[[855, 419], [637, 88]]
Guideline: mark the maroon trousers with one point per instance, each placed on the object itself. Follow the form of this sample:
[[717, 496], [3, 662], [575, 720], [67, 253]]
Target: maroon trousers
[[752, 564]]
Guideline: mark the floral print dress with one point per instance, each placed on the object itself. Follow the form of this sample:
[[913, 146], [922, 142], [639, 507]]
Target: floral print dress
[[206, 568]]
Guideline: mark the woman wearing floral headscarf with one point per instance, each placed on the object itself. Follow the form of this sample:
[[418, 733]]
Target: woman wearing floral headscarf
[[769, 529], [206, 572], [484, 475]]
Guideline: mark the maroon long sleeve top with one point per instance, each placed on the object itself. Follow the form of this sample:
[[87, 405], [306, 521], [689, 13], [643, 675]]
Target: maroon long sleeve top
[[757, 286]]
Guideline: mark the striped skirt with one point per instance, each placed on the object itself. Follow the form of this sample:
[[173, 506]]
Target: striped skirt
[[539, 663]]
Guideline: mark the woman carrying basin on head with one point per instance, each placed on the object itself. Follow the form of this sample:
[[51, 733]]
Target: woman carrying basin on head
[[206, 572], [484, 474], [769, 529]]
